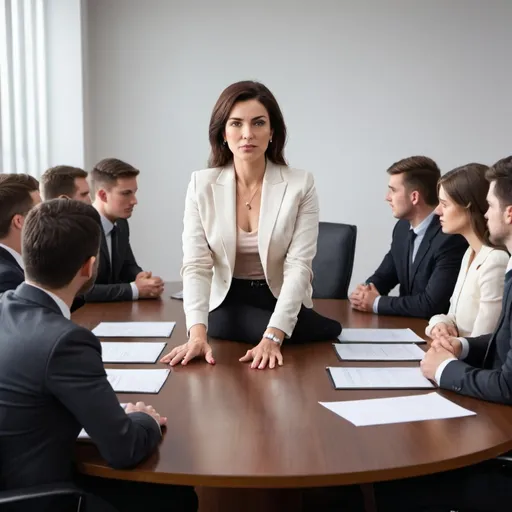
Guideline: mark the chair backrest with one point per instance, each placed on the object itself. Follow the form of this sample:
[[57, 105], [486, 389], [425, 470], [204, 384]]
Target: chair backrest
[[334, 260]]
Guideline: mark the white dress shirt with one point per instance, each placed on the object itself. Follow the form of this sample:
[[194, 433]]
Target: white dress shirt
[[107, 229], [465, 346], [420, 231], [16, 255]]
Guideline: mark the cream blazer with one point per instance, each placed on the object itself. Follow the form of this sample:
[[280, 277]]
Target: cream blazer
[[287, 238], [475, 305]]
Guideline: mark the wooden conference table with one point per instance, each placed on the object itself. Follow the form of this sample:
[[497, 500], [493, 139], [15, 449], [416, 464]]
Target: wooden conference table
[[230, 426]]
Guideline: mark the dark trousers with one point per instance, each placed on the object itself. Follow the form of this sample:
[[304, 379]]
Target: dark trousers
[[245, 314], [485, 487]]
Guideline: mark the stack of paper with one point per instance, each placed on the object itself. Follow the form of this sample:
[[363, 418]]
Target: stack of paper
[[134, 329], [378, 378], [379, 336], [137, 381], [379, 351], [381, 411], [132, 352]]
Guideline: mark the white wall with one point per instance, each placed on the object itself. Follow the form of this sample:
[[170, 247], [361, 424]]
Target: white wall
[[361, 84], [64, 39]]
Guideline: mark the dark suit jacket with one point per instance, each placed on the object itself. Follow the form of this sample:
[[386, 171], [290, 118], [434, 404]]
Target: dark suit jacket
[[12, 275], [435, 270], [115, 286], [486, 372], [53, 383]]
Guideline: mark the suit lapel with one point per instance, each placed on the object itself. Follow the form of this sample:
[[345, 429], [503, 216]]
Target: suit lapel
[[432, 230], [272, 193], [224, 197]]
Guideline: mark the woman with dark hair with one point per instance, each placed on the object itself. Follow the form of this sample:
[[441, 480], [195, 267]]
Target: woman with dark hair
[[476, 301], [249, 238]]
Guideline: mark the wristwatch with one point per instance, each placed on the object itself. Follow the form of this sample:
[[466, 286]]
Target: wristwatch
[[275, 339]]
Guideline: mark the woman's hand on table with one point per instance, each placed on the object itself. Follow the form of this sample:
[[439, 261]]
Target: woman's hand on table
[[195, 347], [266, 353]]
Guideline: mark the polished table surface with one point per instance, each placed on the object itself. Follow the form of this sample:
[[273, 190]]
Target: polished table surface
[[230, 426]]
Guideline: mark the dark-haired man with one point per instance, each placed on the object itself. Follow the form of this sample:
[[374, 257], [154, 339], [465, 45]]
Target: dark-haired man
[[423, 260], [18, 194], [52, 379], [64, 181], [114, 187]]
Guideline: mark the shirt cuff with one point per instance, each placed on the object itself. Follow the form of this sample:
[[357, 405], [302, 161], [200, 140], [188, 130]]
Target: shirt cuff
[[465, 348], [441, 367], [135, 291], [376, 305]]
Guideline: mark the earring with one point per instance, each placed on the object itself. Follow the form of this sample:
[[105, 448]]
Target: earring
[[270, 141], [224, 143]]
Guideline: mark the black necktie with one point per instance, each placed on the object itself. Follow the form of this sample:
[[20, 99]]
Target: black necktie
[[113, 256], [410, 254]]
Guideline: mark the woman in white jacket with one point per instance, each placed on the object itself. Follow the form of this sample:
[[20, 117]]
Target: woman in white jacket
[[476, 301]]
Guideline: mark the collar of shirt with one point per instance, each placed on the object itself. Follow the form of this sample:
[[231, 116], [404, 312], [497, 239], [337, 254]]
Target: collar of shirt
[[66, 313], [422, 227], [107, 225], [509, 266], [16, 255]]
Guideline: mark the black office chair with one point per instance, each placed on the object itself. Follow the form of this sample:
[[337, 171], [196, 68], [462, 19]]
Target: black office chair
[[31, 495], [334, 260]]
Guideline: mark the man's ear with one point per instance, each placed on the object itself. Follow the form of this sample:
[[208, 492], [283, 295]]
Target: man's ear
[[17, 221], [415, 197], [508, 214], [87, 269], [102, 194], [64, 196]]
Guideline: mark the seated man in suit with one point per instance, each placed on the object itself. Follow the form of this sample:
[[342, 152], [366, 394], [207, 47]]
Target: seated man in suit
[[65, 181], [52, 379], [114, 187], [18, 194], [423, 260]]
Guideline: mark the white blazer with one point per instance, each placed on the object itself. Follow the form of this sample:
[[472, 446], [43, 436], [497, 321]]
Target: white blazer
[[287, 238], [475, 305]]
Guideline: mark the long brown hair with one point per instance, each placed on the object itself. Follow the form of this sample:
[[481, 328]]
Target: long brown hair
[[242, 91], [467, 186]]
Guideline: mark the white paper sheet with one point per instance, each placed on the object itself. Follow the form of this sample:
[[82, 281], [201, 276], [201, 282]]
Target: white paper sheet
[[134, 329], [380, 336], [379, 351], [382, 411], [131, 352], [84, 435], [378, 378], [136, 381]]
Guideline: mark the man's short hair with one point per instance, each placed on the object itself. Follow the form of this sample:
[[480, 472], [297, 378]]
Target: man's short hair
[[15, 198], [501, 173], [106, 173], [58, 237], [60, 181], [420, 173]]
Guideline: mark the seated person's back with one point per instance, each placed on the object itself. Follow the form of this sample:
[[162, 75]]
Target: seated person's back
[[52, 379], [423, 261], [114, 189]]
